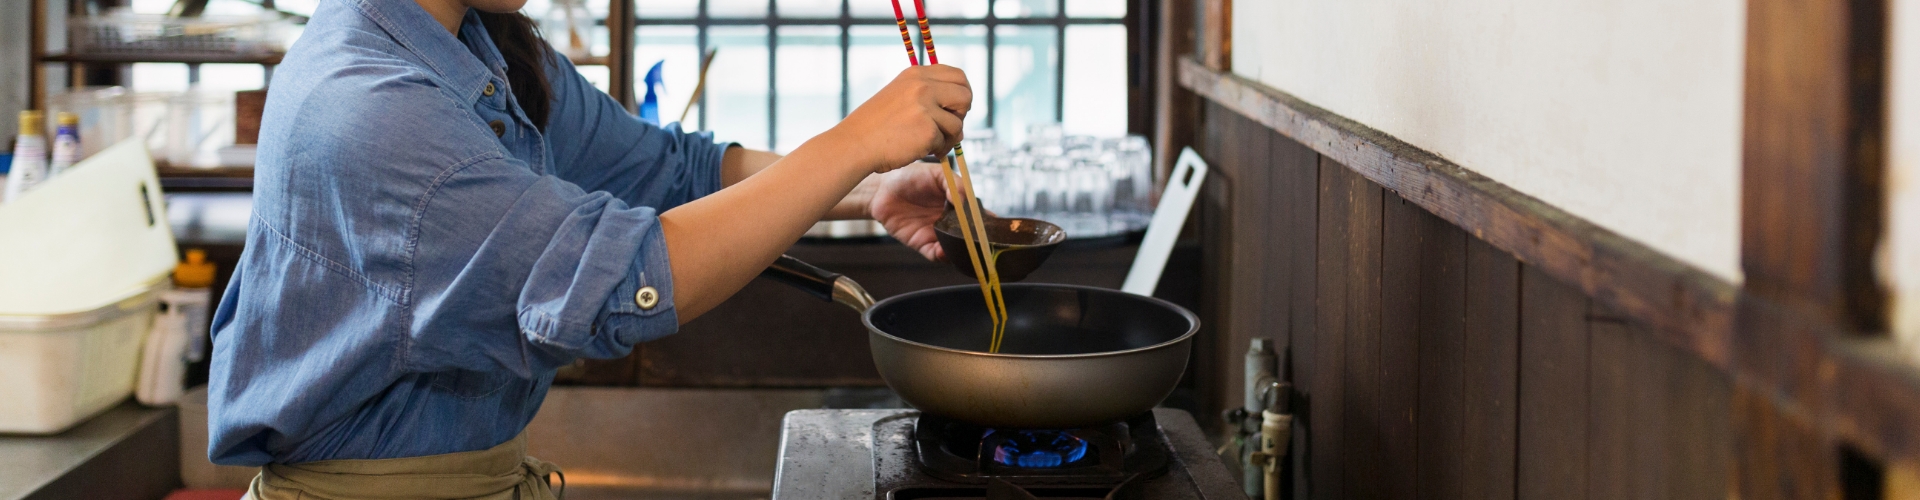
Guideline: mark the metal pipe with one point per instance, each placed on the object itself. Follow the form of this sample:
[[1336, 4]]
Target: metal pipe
[[1261, 371]]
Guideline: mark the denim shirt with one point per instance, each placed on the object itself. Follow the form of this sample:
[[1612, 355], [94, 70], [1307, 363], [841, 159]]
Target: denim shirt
[[421, 258]]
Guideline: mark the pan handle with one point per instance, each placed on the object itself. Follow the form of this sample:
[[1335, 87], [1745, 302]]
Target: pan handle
[[821, 283]]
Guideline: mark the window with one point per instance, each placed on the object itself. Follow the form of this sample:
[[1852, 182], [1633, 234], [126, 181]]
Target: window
[[789, 69]]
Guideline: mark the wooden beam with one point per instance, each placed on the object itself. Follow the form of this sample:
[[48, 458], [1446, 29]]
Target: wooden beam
[[37, 43], [1175, 110], [1686, 305], [1812, 166], [1215, 41], [620, 24]]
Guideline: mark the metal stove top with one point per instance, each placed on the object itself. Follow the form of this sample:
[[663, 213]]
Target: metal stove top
[[868, 454]]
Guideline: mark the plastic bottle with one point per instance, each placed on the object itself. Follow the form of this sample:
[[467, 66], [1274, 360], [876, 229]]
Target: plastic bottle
[[66, 143], [29, 155], [6, 165], [193, 295], [178, 333]]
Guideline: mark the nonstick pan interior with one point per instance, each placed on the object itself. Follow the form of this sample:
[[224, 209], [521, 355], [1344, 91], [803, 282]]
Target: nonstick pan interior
[[1045, 320]]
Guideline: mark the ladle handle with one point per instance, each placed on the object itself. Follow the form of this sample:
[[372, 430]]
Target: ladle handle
[[826, 285]]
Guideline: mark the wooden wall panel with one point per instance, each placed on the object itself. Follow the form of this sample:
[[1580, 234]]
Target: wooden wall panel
[[1245, 172], [1362, 405], [1441, 335], [1552, 452], [1219, 385], [1429, 363], [1700, 441], [1327, 456], [1398, 385], [1292, 240], [1626, 419], [1491, 373]]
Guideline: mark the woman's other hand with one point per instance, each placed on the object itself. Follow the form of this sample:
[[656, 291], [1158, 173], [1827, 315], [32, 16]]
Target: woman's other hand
[[908, 202], [921, 112]]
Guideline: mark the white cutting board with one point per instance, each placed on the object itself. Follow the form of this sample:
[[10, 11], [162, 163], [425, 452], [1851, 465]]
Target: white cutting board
[[89, 237], [1183, 186]]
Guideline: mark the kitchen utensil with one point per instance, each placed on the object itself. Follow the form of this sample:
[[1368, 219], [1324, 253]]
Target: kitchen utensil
[[1073, 355], [699, 86], [1183, 186], [1021, 244]]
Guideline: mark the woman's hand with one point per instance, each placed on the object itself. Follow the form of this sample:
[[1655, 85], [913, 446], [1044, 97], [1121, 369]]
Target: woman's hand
[[921, 112], [908, 202]]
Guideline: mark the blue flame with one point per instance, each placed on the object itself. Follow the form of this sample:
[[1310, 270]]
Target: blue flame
[[1040, 449]]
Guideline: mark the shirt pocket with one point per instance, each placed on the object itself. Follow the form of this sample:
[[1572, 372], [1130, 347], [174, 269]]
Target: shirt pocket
[[470, 384]]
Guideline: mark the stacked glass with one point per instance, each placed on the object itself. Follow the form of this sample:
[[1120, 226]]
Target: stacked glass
[[1091, 187]]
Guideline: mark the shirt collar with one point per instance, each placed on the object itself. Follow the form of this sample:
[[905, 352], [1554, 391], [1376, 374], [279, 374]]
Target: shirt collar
[[466, 65]]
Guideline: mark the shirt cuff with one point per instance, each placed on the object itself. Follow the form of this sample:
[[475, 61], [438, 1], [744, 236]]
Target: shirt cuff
[[641, 307]]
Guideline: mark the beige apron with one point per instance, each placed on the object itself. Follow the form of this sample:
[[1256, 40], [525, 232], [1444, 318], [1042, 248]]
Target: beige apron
[[503, 472]]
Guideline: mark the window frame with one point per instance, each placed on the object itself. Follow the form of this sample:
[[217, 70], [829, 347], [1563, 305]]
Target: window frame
[[703, 22]]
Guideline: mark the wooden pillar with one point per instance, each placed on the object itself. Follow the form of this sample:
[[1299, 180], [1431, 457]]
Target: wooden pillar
[[1215, 42], [1812, 169], [1175, 109], [1812, 163], [620, 26], [37, 43]]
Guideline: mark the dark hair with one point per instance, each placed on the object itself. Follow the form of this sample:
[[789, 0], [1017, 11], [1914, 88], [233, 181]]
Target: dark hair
[[526, 54]]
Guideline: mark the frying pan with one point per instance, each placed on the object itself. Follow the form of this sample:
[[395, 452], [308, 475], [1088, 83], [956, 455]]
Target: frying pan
[[1073, 356]]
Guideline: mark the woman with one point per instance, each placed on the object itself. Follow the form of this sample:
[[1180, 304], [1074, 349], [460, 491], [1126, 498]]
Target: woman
[[446, 212]]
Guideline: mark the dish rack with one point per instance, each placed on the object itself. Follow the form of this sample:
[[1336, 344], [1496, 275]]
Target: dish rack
[[125, 33]]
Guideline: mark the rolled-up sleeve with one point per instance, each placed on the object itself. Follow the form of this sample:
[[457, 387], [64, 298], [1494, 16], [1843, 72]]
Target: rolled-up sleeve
[[499, 241], [641, 307], [599, 146]]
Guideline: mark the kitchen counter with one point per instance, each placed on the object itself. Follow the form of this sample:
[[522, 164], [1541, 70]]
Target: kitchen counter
[[130, 452]]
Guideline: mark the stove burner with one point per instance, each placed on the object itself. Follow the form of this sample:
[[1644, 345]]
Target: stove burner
[[1099, 455], [1036, 449]]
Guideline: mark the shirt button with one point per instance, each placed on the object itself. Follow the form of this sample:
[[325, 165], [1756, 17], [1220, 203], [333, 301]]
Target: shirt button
[[646, 298], [499, 128], [487, 91]]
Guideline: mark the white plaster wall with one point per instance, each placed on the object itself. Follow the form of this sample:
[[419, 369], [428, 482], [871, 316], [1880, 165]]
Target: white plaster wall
[[1899, 257], [1623, 112]]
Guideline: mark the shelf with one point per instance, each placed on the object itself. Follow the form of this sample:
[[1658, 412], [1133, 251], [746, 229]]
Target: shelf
[[273, 58], [187, 179], [589, 61]]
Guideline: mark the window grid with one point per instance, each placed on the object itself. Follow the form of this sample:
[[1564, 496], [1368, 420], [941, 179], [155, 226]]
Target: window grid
[[703, 20]]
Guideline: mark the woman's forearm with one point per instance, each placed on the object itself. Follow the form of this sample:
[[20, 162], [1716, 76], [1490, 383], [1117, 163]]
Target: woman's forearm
[[741, 163], [718, 243]]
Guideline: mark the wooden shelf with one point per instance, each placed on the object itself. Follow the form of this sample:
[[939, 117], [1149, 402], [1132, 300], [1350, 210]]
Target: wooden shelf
[[273, 58], [183, 179]]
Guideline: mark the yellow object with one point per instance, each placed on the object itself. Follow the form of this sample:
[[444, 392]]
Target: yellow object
[[979, 246], [66, 118], [196, 272], [33, 122]]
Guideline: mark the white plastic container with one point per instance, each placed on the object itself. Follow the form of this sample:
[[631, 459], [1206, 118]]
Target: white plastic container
[[82, 260], [61, 369]]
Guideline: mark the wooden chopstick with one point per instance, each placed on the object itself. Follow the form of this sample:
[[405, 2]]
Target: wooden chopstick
[[973, 228], [956, 191], [992, 269]]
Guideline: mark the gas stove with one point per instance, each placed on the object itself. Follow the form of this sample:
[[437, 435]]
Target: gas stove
[[904, 455]]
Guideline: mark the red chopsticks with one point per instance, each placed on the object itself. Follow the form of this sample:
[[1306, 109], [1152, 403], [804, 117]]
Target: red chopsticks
[[926, 33], [913, 56]]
